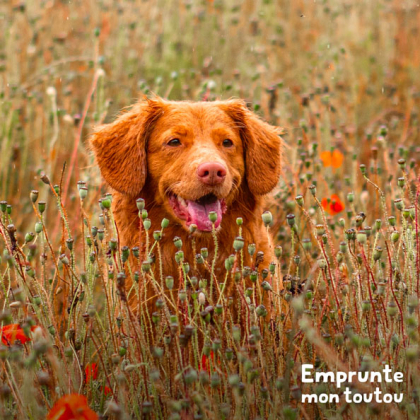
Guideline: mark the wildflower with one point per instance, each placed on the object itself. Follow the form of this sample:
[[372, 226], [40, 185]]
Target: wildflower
[[91, 374], [72, 407], [333, 205], [334, 159], [11, 333]]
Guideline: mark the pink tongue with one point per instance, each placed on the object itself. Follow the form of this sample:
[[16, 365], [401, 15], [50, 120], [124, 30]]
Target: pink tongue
[[199, 214]]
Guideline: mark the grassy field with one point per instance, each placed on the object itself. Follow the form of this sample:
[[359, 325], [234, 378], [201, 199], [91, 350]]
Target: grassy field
[[342, 78]]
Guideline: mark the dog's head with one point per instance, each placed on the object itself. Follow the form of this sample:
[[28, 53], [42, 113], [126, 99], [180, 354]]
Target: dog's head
[[195, 156]]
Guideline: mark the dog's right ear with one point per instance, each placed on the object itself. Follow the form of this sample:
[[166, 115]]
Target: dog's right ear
[[120, 147]]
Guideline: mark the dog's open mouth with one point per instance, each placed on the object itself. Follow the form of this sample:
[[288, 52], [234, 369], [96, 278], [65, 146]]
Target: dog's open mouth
[[197, 212]]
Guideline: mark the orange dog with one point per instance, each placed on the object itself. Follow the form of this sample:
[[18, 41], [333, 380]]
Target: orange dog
[[187, 159]]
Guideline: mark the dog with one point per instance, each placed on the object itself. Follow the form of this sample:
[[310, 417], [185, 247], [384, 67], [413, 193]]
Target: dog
[[190, 161]]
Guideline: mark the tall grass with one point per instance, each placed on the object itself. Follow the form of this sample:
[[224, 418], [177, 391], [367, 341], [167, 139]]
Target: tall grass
[[338, 77]]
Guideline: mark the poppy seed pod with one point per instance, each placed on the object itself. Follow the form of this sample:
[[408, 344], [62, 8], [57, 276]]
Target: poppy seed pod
[[125, 253], [238, 243], [401, 162], [41, 206], [140, 203], [266, 286], [239, 221], [177, 242], [147, 223], [395, 235], [261, 311], [192, 228], [165, 223], [299, 200], [157, 235], [307, 244], [29, 237], [204, 252], [399, 204], [34, 196], [320, 229], [361, 237], [69, 243], [113, 243], [251, 249], [145, 267], [278, 251], [267, 218], [106, 203], [290, 220], [179, 256], [44, 178], [213, 216]]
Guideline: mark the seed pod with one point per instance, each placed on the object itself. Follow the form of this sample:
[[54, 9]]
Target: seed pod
[[299, 200], [213, 217], [140, 203], [361, 237], [169, 281], [38, 227], [29, 237], [113, 243], [83, 192], [238, 243], [125, 253], [239, 221], [178, 242], [145, 267], [266, 286], [395, 235], [307, 244], [399, 204], [179, 256], [204, 252], [267, 218], [34, 196], [251, 249], [261, 311], [106, 203], [290, 220], [320, 229], [192, 228], [312, 189], [44, 178], [147, 224], [253, 276]]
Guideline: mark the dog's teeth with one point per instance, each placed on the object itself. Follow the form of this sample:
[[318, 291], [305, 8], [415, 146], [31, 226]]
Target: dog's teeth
[[182, 201]]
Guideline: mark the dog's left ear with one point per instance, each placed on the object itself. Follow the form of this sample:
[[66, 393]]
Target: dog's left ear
[[262, 146], [120, 147]]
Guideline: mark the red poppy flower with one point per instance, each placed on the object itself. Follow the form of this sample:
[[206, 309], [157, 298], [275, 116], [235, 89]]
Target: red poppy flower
[[91, 373], [334, 159], [333, 205], [72, 407], [205, 362], [11, 333]]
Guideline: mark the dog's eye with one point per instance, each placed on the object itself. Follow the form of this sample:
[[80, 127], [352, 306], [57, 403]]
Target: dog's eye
[[174, 142], [227, 143]]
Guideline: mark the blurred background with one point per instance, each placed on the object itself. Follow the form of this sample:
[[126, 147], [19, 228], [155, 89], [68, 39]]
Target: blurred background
[[329, 72]]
